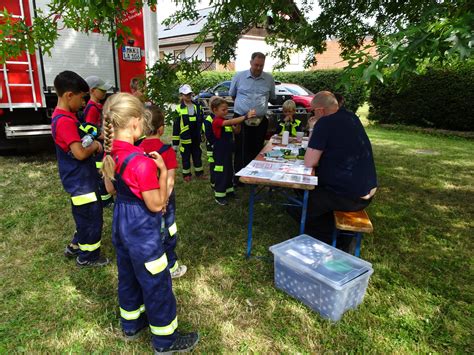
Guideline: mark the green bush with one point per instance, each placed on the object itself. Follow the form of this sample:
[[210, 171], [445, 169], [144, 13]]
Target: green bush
[[440, 98], [312, 80], [208, 79]]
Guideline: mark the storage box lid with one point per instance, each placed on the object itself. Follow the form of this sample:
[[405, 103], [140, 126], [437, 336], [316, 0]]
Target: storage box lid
[[321, 260]]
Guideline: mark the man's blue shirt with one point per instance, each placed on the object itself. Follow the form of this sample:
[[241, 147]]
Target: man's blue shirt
[[252, 92], [346, 165]]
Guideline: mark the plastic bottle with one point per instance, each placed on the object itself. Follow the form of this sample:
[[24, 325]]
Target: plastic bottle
[[285, 137], [87, 140]]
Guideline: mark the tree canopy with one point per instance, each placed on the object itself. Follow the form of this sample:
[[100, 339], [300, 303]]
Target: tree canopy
[[408, 34]]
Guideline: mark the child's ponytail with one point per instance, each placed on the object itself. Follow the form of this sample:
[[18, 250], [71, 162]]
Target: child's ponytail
[[108, 166]]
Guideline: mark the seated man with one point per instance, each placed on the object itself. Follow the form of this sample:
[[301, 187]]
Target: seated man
[[342, 153]]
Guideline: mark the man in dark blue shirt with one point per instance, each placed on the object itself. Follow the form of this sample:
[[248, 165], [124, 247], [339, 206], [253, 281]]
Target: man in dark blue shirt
[[341, 151]]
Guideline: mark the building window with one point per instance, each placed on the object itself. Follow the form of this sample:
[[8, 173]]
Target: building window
[[208, 54], [197, 20], [179, 53], [170, 27]]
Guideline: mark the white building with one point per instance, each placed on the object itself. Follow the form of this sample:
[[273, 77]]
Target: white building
[[178, 40]]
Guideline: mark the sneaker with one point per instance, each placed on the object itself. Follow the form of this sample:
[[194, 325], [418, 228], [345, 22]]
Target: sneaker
[[180, 271], [187, 178], [71, 252], [201, 177], [221, 201], [183, 342], [129, 336], [101, 261]]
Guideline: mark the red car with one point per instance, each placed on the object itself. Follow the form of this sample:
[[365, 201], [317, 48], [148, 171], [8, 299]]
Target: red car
[[299, 94]]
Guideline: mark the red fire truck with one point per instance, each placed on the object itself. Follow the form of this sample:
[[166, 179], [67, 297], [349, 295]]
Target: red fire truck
[[27, 96]]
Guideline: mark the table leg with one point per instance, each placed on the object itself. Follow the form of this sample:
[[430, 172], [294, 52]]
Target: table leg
[[249, 228], [304, 211]]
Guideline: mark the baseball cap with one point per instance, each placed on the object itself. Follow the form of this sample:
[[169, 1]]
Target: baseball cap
[[95, 82], [185, 89]]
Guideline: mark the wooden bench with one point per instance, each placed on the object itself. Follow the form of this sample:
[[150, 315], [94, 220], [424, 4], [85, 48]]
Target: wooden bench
[[352, 224]]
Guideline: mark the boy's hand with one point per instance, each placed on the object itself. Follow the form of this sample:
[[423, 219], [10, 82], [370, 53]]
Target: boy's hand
[[158, 160], [99, 148], [287, 119], [251, 114]]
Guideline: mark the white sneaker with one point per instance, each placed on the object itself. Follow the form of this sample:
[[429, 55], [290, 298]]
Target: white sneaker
[[180, 271]]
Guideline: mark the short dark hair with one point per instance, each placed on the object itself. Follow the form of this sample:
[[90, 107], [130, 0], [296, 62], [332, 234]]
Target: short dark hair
[[136, 83], [69, 81], [258, 55], [216, 101], [157, 118]]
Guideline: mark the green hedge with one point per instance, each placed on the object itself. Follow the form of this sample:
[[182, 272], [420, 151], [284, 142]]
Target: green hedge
[[440, 98], [209, 79], [312, 80]]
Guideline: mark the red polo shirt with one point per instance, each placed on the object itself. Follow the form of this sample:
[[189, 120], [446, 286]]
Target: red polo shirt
[[155, 144], [217, 124], [66, 129], [93, 114], [141, 172]]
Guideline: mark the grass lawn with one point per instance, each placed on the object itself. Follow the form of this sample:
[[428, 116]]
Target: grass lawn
[[420, 297]]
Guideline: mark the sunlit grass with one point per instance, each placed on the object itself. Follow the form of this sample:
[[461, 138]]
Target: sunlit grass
[[419, 298]]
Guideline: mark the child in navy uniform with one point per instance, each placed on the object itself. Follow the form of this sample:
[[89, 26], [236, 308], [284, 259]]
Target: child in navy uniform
[[98, 91], [144, 281], [153, 143], [289, 123], [210, 140], [77, 171], [223, 148], [187, 125], [93, 115]]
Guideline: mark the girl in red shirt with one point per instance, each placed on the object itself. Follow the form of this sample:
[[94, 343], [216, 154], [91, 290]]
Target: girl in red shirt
[[153, 143], [144, 281]]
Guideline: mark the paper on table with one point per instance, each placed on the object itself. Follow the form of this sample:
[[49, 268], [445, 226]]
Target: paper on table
[[296, 169], [257, 173], [296, 179], [281, 167], [257, 164]]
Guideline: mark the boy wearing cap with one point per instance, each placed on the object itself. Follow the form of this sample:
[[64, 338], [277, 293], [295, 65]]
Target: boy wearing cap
[[187, 125], [98, 90], [93, 115]]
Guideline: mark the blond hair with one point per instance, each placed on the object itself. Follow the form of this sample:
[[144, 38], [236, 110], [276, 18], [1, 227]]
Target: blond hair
[[117, 112], [289, 105]]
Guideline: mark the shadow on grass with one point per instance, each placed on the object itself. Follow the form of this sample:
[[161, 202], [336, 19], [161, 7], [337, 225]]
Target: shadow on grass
[[418, 299]]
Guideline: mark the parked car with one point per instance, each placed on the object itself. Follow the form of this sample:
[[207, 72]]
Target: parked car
[[222, 90], [299, 94]]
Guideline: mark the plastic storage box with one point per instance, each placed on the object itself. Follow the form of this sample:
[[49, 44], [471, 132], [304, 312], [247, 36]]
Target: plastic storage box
[[322, 277]]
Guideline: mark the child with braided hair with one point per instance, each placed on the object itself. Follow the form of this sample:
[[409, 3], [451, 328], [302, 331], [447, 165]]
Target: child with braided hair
[[144, 281]]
